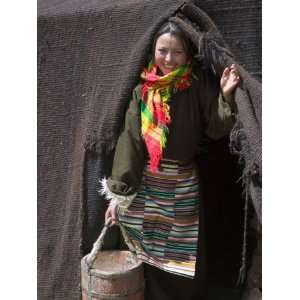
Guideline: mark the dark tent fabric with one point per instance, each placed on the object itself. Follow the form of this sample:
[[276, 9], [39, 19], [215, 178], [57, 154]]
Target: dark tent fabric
[[83, 52]]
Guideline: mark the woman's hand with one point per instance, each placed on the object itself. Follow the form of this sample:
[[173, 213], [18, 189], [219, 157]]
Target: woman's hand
[[111, 212], [229, 81]]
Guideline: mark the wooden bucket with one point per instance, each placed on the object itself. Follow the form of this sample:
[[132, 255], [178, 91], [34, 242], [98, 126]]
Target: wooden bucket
[[111, 274]]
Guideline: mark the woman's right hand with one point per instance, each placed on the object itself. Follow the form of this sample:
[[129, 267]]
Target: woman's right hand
[[111, 212], [229, 81]]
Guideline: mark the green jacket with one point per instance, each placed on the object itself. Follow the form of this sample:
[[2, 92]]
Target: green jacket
[[197, 111]]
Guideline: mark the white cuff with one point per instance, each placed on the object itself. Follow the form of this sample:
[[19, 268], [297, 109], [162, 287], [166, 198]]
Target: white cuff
[[122, 201]]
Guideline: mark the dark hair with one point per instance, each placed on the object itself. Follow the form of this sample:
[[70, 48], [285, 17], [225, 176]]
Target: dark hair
[[173, 29]]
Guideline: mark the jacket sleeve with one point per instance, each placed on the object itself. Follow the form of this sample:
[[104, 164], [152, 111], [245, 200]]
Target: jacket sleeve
[[218, 115], [129, 158]]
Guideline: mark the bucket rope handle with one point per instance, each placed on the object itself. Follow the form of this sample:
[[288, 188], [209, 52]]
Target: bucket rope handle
[[97, 246]]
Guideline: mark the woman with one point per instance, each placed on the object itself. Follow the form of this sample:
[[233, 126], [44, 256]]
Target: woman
[[155, 186]]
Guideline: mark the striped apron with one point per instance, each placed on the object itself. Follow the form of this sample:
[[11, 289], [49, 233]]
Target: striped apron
[[162, 221]]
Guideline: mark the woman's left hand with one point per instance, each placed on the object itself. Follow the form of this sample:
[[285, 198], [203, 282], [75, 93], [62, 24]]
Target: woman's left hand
[[229, 81]]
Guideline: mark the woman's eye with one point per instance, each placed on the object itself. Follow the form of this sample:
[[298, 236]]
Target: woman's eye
[[162, 50], [165, 51]]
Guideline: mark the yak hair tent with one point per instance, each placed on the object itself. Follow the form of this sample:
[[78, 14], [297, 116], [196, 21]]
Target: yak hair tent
[[90, 54]]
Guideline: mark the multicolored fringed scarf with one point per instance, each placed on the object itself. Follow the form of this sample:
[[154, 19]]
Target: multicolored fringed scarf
[[155, 110]]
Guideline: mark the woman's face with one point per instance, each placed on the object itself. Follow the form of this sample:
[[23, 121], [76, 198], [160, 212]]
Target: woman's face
[[169, 53]]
